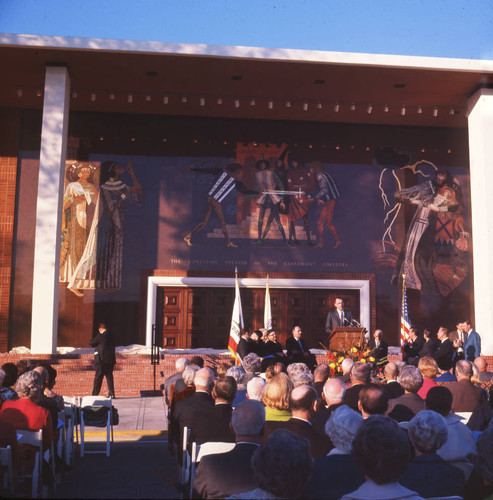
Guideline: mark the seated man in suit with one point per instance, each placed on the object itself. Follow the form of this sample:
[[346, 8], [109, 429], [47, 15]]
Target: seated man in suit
[[225, 474], [411, 349], [373, 400], [212, 423], [482, 365], [333, 395], [201, 401], [180, 365], [466, 396], [379, 348], [297, 350], [338, 317], [406, 406], [392, 387], [360, 376]]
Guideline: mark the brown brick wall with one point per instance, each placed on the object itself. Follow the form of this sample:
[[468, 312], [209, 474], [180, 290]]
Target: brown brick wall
[[8, 174]]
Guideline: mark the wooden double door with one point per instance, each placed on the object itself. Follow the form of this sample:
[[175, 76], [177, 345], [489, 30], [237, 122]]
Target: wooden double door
[[201, 317]]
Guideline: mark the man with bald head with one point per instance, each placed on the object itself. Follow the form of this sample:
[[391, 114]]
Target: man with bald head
[[466, 396], [332, 395], [379, 348], [481, 365], [392, 387]]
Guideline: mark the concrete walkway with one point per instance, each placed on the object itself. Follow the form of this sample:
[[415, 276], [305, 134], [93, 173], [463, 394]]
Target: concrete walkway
[[140, 465]]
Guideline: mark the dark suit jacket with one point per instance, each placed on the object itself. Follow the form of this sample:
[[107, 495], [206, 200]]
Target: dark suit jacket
[[293, 348], [445, 355], [412, 350], [212, 424], [405, 407], [333, 320], [320, 418], [104, 348], [393, 390], [320, 444], [351, 397], [225, 474], [184, 411], [380, 352], [243, 348], [430, 476], [429, 348], [333, 477], [466, 396]]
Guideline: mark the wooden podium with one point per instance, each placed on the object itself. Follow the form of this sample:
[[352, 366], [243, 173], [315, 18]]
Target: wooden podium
[[343, 338]]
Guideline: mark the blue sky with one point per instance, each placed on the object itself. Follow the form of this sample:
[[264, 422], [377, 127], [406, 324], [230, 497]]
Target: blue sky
[[443, 28]]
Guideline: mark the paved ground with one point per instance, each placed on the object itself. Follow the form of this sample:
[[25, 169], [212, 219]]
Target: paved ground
[[140, 465]]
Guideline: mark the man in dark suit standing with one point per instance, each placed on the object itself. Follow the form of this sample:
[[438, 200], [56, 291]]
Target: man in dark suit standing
[[104, 359], [225, 474], [338, 317], [445, 355], [297, 350]]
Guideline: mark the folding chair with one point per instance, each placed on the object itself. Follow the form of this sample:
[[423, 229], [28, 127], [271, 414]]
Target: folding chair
[[33, 438], [96, 401], [6, 461], [72, 422], [464, 415], [184, 468], [201, 450]]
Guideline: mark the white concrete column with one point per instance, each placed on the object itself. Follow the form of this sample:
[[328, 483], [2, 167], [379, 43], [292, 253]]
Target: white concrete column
[[480, 118], [44, 326]]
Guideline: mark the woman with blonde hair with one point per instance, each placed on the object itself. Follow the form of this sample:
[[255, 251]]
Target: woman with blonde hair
[[429, 369], [276, 398]]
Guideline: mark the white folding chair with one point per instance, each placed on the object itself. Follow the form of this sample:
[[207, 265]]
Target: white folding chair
[[71, 412], [96, 401], [33, 438], [201, 450], [464, 415], [184, 470], [6, 461]]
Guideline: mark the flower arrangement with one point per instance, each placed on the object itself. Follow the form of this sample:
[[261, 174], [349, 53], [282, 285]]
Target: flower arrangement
[[355, 349]]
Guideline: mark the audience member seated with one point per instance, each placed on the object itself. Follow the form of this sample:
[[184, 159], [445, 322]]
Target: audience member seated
[[169, 383], [428, 368], [276, 398], [48, 392], [7, 393], [252, 366], [333, 395], [373, 400], [337, 474], [445, 376], [430, 344], [188, 378], [360, 376], [482, 416], [224, 474], [8, 437], [23, 366], [428, 473], [296, 368], [381, 450], [406, 406], [222, 368], [281, 467], [297, 351], [483, 465], [320, 376], [238, 373], [212, 423], [466, 396], [194, 361], [256, 345], [460, 440], [302, 378], [200, 401], [302, 402], [274, 369], [25, 413], [392, 387], [256, 388], [484, 375], [50, 404], [346, 366]]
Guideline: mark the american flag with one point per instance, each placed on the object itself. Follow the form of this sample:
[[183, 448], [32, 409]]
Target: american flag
[[405, 321], [236, 322]]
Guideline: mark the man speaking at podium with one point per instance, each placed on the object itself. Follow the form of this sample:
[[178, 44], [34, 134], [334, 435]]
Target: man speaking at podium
[[338, 317]]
